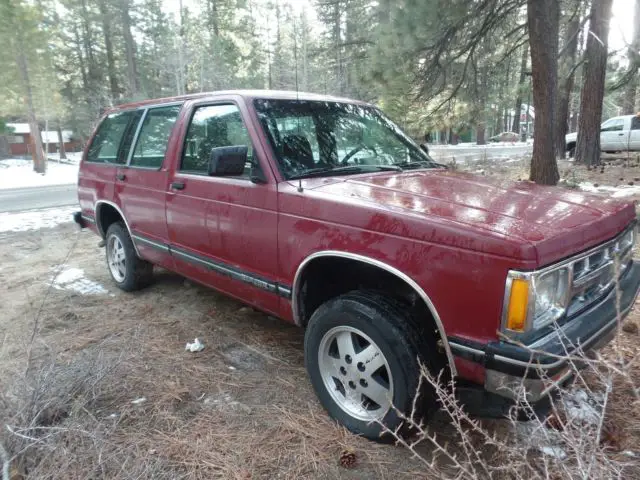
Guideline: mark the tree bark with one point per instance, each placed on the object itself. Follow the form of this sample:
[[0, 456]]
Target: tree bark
[[543, 17], [566, 73], [108, 45], [39, 159], [130, 49], [4, 146], [523, 76], [588, 144], [630, 92], [61, 149]]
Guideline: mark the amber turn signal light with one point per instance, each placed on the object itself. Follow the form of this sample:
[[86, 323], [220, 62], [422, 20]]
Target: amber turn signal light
[[518, 305]]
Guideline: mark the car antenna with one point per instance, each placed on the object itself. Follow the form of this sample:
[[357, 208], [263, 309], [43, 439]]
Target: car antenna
[[300, 189]]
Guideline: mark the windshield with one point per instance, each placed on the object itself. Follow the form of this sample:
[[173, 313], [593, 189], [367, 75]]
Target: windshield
[[315, 138]]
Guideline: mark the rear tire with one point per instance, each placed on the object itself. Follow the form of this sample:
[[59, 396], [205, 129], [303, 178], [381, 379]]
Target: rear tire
[[128, 271], [363, 353]]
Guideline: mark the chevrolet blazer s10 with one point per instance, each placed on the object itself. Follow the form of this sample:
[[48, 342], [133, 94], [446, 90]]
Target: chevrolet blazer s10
[[322, 212]]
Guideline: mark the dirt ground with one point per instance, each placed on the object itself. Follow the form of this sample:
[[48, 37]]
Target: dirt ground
[[125, 400], [104, 378]]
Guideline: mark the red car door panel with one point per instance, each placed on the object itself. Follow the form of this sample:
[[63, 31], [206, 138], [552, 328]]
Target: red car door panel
[[141, 184], [222, 230]]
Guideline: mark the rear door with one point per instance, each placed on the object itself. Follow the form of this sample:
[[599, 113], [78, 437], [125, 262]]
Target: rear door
[[141, 183], [223, 230], [105, 152]]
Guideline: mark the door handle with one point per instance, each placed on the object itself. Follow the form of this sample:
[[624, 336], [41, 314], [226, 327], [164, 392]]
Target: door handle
[[177, 185], [121, 176], [621, 134]]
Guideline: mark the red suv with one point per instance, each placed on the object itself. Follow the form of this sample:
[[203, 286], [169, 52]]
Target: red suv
[[321, 211]]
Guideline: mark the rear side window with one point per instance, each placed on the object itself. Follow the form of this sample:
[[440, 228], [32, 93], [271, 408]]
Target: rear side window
[[214, 126], [153, 137], [635, 123], [105, 147]]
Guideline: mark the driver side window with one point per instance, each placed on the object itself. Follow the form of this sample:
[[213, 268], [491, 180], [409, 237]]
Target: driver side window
[[613, 125], [214, 126]]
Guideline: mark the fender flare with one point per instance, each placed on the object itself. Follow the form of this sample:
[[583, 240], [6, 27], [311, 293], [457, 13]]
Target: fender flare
[[100, 229], [377, 263]]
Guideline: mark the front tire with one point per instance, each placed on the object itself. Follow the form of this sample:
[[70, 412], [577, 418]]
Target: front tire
[[363, 355], [128, 271]]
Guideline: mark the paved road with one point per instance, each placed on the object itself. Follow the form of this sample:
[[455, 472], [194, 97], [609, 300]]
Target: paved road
[[474, 153], [16, 199]]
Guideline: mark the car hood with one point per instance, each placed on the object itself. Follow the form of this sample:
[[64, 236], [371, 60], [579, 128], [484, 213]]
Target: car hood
[[555, 221]]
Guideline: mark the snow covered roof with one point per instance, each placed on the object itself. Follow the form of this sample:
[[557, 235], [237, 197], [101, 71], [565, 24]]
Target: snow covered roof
[[19, 127], [50, 135]]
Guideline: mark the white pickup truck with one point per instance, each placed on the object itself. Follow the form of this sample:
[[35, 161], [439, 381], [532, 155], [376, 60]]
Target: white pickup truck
[[618, 134]]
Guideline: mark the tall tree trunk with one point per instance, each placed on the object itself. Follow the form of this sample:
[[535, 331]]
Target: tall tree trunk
[[523, 76], [39, 159], [588, 144], [130, 49], [214, 23], [543, 17], [61, 149], [108, 45], [4, 146], [566, 74], [81, 63], [630, 92], [337, 29]]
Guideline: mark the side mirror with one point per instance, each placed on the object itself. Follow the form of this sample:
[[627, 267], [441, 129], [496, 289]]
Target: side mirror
[[228, 161]]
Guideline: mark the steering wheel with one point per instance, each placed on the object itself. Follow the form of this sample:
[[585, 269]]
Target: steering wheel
[[362, 146]]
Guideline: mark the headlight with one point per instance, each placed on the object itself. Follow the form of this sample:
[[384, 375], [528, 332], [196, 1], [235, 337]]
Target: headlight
[[533, 300], [550, 293]]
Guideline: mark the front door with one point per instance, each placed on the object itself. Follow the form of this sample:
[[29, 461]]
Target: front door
[[634, 139], [222, 230], [612, 134], [141, 183]]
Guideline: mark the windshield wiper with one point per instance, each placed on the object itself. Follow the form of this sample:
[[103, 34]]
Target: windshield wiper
[[416, 164], [321, 172]]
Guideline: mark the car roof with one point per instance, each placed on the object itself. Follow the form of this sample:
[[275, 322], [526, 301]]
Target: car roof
[[247, 94]]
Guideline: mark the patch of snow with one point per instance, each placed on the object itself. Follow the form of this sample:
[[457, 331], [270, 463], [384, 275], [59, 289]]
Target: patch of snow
[[71, 278], [18, 173], [556, 452], [581, 406], [139, 401], [72, 157], [35, 219], [223, 401], [620, 191]]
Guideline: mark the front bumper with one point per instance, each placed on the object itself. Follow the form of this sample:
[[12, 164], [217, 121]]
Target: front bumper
[[542, 366]]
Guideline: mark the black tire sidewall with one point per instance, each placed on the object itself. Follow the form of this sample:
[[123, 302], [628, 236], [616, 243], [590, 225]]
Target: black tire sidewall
[[130, 281], [381, 325]]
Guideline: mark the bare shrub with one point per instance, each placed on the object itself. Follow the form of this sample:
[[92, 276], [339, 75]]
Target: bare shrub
[[581, 437]]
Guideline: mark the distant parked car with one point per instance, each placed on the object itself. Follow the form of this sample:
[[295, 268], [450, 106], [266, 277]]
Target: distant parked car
[[505, 137], [345, 227], [618, 134]]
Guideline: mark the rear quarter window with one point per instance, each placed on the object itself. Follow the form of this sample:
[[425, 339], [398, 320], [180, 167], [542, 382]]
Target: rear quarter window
[[106, 144], [154, 134]]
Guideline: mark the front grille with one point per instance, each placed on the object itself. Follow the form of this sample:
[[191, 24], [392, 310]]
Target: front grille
[[594, 271]]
